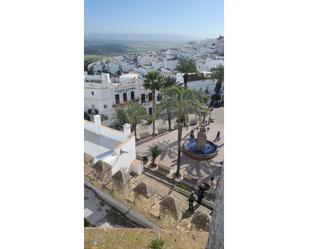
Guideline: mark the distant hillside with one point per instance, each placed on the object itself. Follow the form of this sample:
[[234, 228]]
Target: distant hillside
[[109, 45], [138, 37]]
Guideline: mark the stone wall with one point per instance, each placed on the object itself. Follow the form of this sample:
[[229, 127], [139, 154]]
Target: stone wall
[[141, 197], [216, 235], [170, 213]]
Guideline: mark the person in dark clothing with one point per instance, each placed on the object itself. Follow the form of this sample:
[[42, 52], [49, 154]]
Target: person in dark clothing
[[200, 194], [217, 137], [191, 199]]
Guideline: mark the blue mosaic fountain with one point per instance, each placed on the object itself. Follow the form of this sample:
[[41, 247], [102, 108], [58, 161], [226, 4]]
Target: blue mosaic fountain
[[200, 148]]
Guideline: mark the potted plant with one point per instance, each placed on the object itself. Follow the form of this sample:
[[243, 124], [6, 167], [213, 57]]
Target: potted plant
[[155, 152]]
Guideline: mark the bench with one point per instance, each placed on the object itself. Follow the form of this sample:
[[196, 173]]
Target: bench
[[163, 169], [190, 179], [144, 134]]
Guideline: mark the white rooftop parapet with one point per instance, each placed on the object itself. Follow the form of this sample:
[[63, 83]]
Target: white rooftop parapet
[[105, 78], [127, 129], [97, 123], [128, 77]]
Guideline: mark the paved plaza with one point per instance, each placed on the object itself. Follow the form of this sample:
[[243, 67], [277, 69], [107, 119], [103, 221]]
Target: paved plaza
[[168, 145]]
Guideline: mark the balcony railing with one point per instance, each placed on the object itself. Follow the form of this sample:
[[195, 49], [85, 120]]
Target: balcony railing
[[125, 103]]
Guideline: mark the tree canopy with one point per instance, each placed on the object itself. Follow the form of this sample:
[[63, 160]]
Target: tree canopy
[[153, 80], [186, 66]]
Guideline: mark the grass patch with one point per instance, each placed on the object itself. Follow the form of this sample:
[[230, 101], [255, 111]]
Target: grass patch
[[92, 58], [183, 186], [157, 243]]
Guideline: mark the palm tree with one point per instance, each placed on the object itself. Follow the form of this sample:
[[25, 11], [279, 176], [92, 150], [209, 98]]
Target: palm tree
[[217, 73], [155, 152], [204, 109], [184, 102], [186, 66], [132, 113], [153, 81], [166, 106]]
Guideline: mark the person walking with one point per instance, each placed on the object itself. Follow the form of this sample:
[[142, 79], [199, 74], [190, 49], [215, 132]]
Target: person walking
[[201, 190], [213, 185], [212, 181], [200, 193], [217, 137], [191, 200]]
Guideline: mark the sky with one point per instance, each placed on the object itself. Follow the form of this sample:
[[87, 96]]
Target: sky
[[191, 18]]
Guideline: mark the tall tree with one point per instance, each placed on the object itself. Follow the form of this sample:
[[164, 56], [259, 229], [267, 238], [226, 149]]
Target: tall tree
[[132, 113], [217, 74], [153, 81], [204, 109], [186, 66], [167, 107], [184, 102]]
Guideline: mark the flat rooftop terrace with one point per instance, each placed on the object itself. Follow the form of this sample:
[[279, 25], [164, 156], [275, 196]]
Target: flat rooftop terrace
[[99, 146]]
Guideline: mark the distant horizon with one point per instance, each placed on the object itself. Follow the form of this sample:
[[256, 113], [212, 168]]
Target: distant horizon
[[146, 37], [194, 19]]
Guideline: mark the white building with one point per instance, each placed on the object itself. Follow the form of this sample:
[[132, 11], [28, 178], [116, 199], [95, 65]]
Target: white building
[[112, 147], [170, 64], [157, 64], [212, 62], [205, 86], [103, 95], [112, 67], [220, 45], [146, 59], [185, 54]]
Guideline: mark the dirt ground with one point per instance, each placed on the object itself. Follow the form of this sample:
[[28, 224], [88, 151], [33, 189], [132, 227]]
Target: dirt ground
[[133, 238]]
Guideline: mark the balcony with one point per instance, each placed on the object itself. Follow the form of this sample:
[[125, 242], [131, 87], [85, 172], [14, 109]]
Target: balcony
[[125, 103]]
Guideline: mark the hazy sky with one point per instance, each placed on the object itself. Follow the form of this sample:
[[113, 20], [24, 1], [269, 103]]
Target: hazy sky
[[194, 18]]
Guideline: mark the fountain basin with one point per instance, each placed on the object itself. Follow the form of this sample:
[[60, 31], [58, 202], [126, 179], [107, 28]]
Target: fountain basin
[[209, 151]]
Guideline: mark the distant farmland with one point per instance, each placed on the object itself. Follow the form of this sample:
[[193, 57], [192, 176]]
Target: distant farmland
[[113, 48]]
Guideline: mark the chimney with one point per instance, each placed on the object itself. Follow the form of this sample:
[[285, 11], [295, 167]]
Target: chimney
[[105, 78], [97, 122], [127, 129]]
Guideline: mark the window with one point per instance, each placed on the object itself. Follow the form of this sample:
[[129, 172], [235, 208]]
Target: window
[[150, 96], [105, 106], [143, 98], [92, 93], [132, 95], [150, 110], [117, 99], [125, 98], [158, 97]]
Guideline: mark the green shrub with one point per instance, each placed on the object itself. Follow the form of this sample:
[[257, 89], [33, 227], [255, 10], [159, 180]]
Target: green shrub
[[157, 243], [183, 186]]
